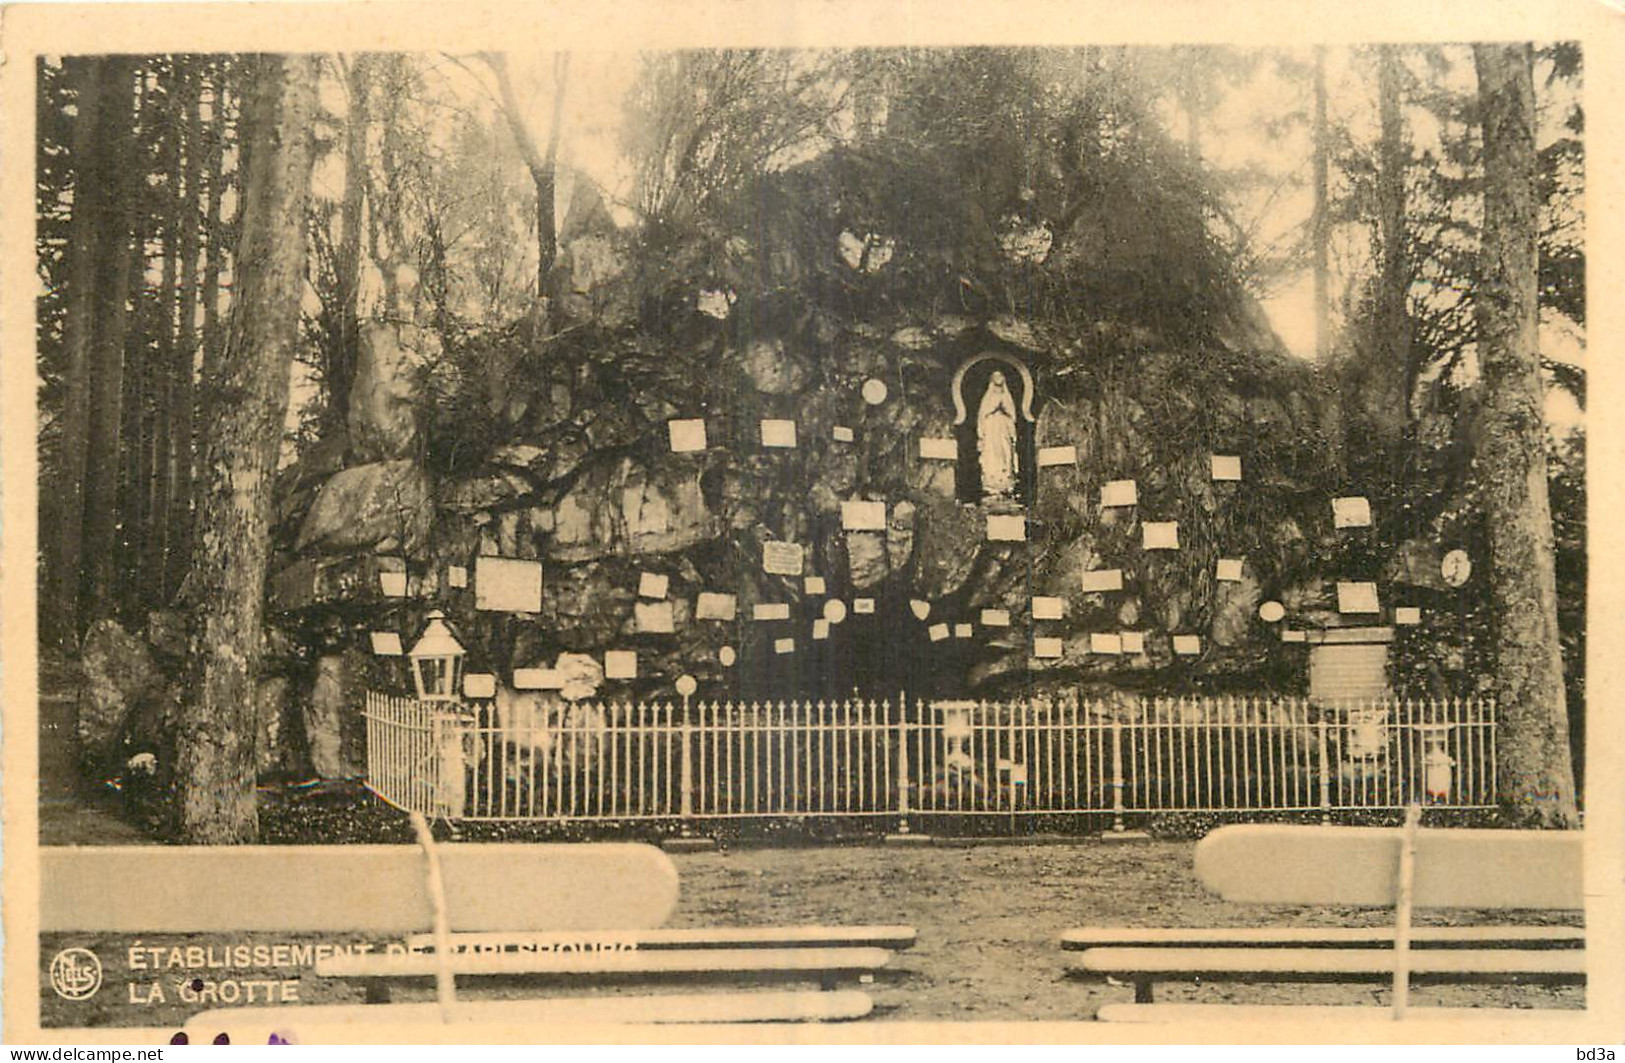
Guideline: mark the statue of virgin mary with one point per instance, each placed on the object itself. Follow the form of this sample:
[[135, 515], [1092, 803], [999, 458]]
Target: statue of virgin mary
[[996, 439]]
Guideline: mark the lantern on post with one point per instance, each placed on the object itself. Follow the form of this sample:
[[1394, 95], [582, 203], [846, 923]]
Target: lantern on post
[[437, 661]]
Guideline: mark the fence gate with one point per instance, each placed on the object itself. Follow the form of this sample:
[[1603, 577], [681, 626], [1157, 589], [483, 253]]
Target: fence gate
[[897, 760]]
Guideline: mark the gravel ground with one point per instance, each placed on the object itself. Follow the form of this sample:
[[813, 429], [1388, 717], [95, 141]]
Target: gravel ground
[[990, 918]]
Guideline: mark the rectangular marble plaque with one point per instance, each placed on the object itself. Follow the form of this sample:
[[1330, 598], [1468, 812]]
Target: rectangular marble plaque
[[620, 664], [963, 631], [1005, 528], [1226, 467], [784, 645], [813, 585], [386, 644], [777, 433], [1103, 579], [1052, 456], [1407, 615], [456, 576], [995, 618], [783, 559], [508, 585], [771, 611], [1160, 535], [842, 433], [938, 449], [393, 584], [686, 436], [1102, 642], [860, 515], [938, 632], [1045, 608], [1230, 569], [1187, 645], [653, 618], [538, 679], [1133, 641], [1119, 493], [1357, 597], [1047, 647], [714, 606], [1351, 512], [820, 628], [653, 584]]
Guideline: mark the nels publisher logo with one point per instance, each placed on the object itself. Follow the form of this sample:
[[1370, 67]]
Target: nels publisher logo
[[76, 974]]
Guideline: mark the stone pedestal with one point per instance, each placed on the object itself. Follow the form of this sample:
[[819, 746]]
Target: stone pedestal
[[908, 839], [688, 844]]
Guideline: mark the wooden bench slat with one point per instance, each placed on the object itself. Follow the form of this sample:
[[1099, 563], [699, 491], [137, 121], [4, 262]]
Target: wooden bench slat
[[652, 964], [1552, 966], [763, 937], [353, 888], [1326, 937], [1359, 865], [1220, 1013], [311, 1023], [1398, 868]]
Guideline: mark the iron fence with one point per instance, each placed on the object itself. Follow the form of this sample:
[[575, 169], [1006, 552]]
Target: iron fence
[[897, 760], [403, 742]]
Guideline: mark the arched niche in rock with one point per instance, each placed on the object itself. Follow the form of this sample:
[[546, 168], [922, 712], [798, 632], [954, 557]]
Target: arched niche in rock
[[994, 395]]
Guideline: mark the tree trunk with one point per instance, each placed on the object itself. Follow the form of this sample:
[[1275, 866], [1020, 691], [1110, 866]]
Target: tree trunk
[[1534, 774], [547, 239], [392, 266], [216, 228], [1188, 90], [543, 166], [112, 289], [66, 499], [341, 365], [184, 400], [135, 484], [167, 307], [1393, 329], [1321, 222], [242, 440], [213, 134]]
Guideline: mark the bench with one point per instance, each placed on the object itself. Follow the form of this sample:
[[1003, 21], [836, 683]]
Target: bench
[[894, 938], [1320, 937], [1400, 869], [318, 1023], [826, 967], [575, 914]]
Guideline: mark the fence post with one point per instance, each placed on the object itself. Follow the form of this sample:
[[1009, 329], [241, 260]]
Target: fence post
[[1117, 769], [1325, 772], [902, 762], [686, 841], [685, 801]]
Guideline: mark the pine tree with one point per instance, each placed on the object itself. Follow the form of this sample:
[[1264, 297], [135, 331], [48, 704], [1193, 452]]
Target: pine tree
[[114, 212], [1535, 776], [241, 442]]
